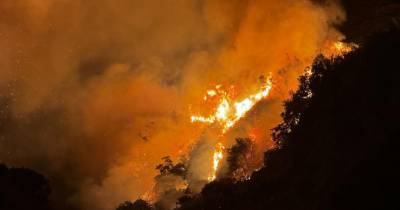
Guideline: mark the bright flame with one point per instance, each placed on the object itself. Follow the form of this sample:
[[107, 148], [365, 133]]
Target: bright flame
[[222, 110], [202, 119], [217, 157], [211, 93], [228, 112]]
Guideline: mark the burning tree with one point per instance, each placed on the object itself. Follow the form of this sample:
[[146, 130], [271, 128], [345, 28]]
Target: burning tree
[[239, 159]]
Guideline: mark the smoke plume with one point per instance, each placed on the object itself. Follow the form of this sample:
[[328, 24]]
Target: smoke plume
[[94, 93]]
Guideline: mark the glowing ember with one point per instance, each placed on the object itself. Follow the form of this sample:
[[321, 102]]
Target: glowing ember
[[217, 157], [228, 112]]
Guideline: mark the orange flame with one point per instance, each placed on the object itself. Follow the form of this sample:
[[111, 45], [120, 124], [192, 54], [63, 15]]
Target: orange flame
[[339, 49], [217, 157], [228, 112]]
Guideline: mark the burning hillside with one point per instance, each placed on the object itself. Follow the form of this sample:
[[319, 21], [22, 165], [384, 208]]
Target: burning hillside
[[336, 145], [105, 89], [227, 108], [227, 111]]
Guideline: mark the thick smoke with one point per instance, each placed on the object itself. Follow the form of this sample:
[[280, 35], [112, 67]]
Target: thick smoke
[[94, 93]]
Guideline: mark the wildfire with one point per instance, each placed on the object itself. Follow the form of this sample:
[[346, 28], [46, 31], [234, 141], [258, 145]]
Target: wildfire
[[228, 111], [339, 49], [217, 157], [334, 50]]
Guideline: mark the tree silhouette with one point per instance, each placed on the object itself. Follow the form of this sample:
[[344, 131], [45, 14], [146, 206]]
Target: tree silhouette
[[137, 205], [168, 167], [170, 175], [239, 159], [337, 143], [23, 189]]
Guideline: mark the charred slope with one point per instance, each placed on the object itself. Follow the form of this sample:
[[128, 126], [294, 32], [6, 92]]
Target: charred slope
[[338, 148]]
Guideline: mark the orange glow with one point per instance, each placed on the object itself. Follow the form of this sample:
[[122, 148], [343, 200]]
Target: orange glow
[[217, 157], [226, 113], [339, 49], [229, 111]]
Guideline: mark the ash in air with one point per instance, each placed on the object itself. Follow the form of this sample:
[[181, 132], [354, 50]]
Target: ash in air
[[94, 93]]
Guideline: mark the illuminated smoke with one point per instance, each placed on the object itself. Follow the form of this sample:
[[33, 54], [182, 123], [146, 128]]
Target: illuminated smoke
[[95, 93]]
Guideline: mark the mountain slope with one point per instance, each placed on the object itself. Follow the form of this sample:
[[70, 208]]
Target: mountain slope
[[338, 148]]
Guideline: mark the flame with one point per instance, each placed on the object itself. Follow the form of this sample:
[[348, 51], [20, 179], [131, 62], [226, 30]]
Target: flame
[[217, 157], [228, 111], [339, 49], [211, 93]]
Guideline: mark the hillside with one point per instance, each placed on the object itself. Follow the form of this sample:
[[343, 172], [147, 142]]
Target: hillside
[[338, 148]]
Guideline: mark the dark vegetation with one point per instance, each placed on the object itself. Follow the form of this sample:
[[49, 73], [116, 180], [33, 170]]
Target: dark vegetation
[[337, 145], [337, 148], [239, 159], [169, 168], [23, 189], [137, 205]]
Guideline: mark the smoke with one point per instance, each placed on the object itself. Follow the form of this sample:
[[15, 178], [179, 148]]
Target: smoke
[[94, 93]]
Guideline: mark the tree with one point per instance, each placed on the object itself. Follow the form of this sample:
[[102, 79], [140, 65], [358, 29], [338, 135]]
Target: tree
[[239, 159], [137, 205], [337, 143], [169, 168], [22, 189]]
